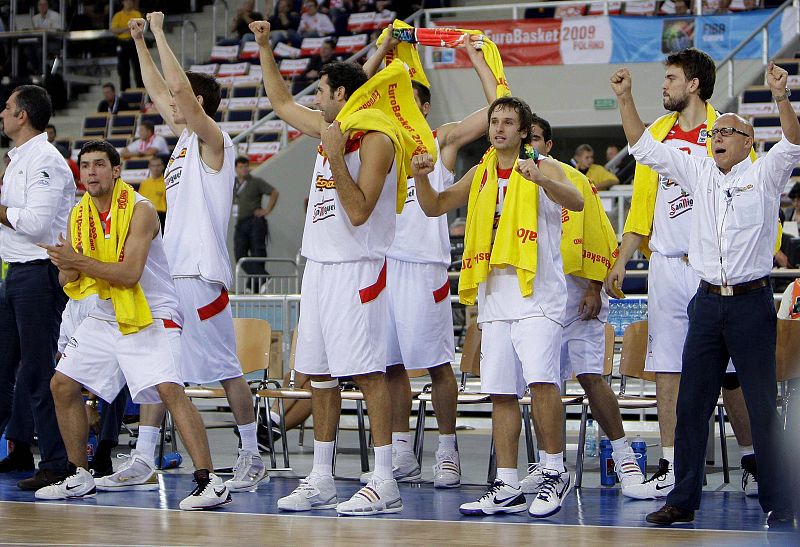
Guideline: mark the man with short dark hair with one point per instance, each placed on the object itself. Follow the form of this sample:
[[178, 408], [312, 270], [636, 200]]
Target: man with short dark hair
[[583, 161], [112, 103], [148, 144], [251, 233], [38, 192]]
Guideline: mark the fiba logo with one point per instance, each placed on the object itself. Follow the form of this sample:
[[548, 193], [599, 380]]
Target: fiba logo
[[714, 32]]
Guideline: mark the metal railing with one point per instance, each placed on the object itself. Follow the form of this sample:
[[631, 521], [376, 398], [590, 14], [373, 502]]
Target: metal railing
[[190, 24], [214, 21], [273, 276]]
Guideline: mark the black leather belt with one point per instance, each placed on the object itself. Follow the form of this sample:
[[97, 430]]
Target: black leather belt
[[735, 290]]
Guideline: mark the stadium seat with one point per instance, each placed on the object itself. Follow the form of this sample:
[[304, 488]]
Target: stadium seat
[[123, 123], [135, 97], [95, 125], [240, 115]]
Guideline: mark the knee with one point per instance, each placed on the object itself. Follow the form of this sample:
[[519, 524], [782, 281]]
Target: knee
[[169, 392], [62, 386], [544, 389], [441, 373], [590, 382], [367, 381], [395, 372], [323, 382]]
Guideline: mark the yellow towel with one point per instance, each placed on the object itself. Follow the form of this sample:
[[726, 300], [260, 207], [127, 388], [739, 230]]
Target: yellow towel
[[408, 54], [588, 242], [386, 104], [130, 305], [516, 238]]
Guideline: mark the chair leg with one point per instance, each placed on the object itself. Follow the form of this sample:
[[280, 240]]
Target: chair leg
[[162, 442], [723, 445], [335, 451], [419, 435], [270, 442], [526, 422], [581, 446], [284, 434], [302, 439], [492, 474], [362, 436]]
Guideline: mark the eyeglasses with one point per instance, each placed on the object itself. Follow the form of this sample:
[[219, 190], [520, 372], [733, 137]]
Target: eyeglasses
[[726, 132]]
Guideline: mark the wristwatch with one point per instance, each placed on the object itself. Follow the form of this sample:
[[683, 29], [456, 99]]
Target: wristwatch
[[787, 93]]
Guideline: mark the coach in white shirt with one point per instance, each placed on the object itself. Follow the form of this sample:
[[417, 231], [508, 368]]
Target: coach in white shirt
[[46, 18], [733, 313], [37, 195]]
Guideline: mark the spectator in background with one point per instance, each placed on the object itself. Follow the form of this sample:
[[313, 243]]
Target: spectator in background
[[583, 160], [252, 231], [245, 15], [112, 103], [154, 189], [52, 136], [313, 23], [315, 64], [793, 213], [126, 49], [148, 143], [283, 24], [611, 152], [45, 18]]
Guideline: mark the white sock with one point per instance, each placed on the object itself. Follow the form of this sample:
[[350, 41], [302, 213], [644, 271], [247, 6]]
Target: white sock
[[274, 416], [383, 463], [323, 458], [555, 461], [746, 450], [447, 442], [542, 456], [403, 442], [668, 453], [620, 445], [147, 441], [508, 475], [248, 435]]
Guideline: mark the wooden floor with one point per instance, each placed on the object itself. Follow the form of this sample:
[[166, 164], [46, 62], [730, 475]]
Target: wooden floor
[[66, 524]]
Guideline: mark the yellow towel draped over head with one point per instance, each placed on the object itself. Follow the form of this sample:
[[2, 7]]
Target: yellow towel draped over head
[[386, 104], [516, 238], [588, 242], [409, 55], [130, 305]]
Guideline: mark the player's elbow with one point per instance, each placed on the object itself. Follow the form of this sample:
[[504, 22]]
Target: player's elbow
[[575, 202]]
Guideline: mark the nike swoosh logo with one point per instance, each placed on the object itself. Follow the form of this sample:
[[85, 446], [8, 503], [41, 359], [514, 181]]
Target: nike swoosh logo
[[73, 487], [665, 486], [219, 492], [502, 501]]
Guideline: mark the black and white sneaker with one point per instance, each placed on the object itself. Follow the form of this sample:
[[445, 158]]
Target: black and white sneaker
[[554, 489], [750, 476], [501, 498], [209, 493], [78, 485], [657, 486]]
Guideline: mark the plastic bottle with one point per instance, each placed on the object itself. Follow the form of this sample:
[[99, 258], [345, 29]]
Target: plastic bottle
[[640, 449], [590, 444], [3, 446], [171, 460], [607, 475], [91, 445]]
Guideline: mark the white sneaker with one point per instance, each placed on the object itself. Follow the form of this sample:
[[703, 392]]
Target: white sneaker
[[248, 473], [209, 493], [447, 470], [79, 485], [314, 492], [749, 476], [137, 473], [657, 486], [554, 489], [628, 471], [405, 468], [533, 482], [375, 498], [501, 498]]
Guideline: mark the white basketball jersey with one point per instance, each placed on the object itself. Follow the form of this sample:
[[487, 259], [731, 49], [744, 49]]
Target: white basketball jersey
[[418, 237], [329, 236], [673, 212], [156, 284], [199, 208], [499, 299]]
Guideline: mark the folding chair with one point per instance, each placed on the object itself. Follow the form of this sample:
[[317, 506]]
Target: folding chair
[[95, 125], [123, 123], [787, 356]]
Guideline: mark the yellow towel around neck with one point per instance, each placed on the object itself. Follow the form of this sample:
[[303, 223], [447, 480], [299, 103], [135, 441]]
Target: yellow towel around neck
[[409, 55], [130, 305], [588, 242], [386, 104], [516, 239]]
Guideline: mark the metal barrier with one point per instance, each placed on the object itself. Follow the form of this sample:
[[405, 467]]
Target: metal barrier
[[214, 21], [190, 24], [275, 276]]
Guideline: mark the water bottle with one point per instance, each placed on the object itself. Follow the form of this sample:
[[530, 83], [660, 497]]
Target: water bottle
[[640, 449], [91, 445], [607, 475], [590, 445], [3, 446], [171, 460]]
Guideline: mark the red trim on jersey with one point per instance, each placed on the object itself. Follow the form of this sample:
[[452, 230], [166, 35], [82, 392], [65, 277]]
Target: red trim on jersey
[[442, 292], [170, 324], [210, 310], [368, 294], [352, 144], [504, 173], [692, 136], [105, 220]]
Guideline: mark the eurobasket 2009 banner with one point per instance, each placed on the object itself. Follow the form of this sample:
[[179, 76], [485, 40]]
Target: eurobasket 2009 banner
[[616, 39]]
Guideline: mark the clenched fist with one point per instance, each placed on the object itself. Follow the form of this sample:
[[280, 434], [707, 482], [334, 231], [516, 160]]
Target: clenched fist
[[621, 82], [422, 164]]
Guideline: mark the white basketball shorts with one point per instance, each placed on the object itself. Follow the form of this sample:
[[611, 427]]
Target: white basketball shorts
[[582, 342]]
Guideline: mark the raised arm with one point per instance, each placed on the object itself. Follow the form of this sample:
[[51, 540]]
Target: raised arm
[[377, 154], [373, 64], [144, 227], [631, 121], [551, 177], [435, 203], [306, 120], [181, 90], [777, 79], [156, 87], [452, 136]]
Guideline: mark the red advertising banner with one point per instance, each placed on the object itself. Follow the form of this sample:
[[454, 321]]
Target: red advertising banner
[[521, 42]]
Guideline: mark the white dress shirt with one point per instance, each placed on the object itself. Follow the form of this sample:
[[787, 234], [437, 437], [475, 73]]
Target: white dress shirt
[[39, 191], [735, 218], [50, 21]]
